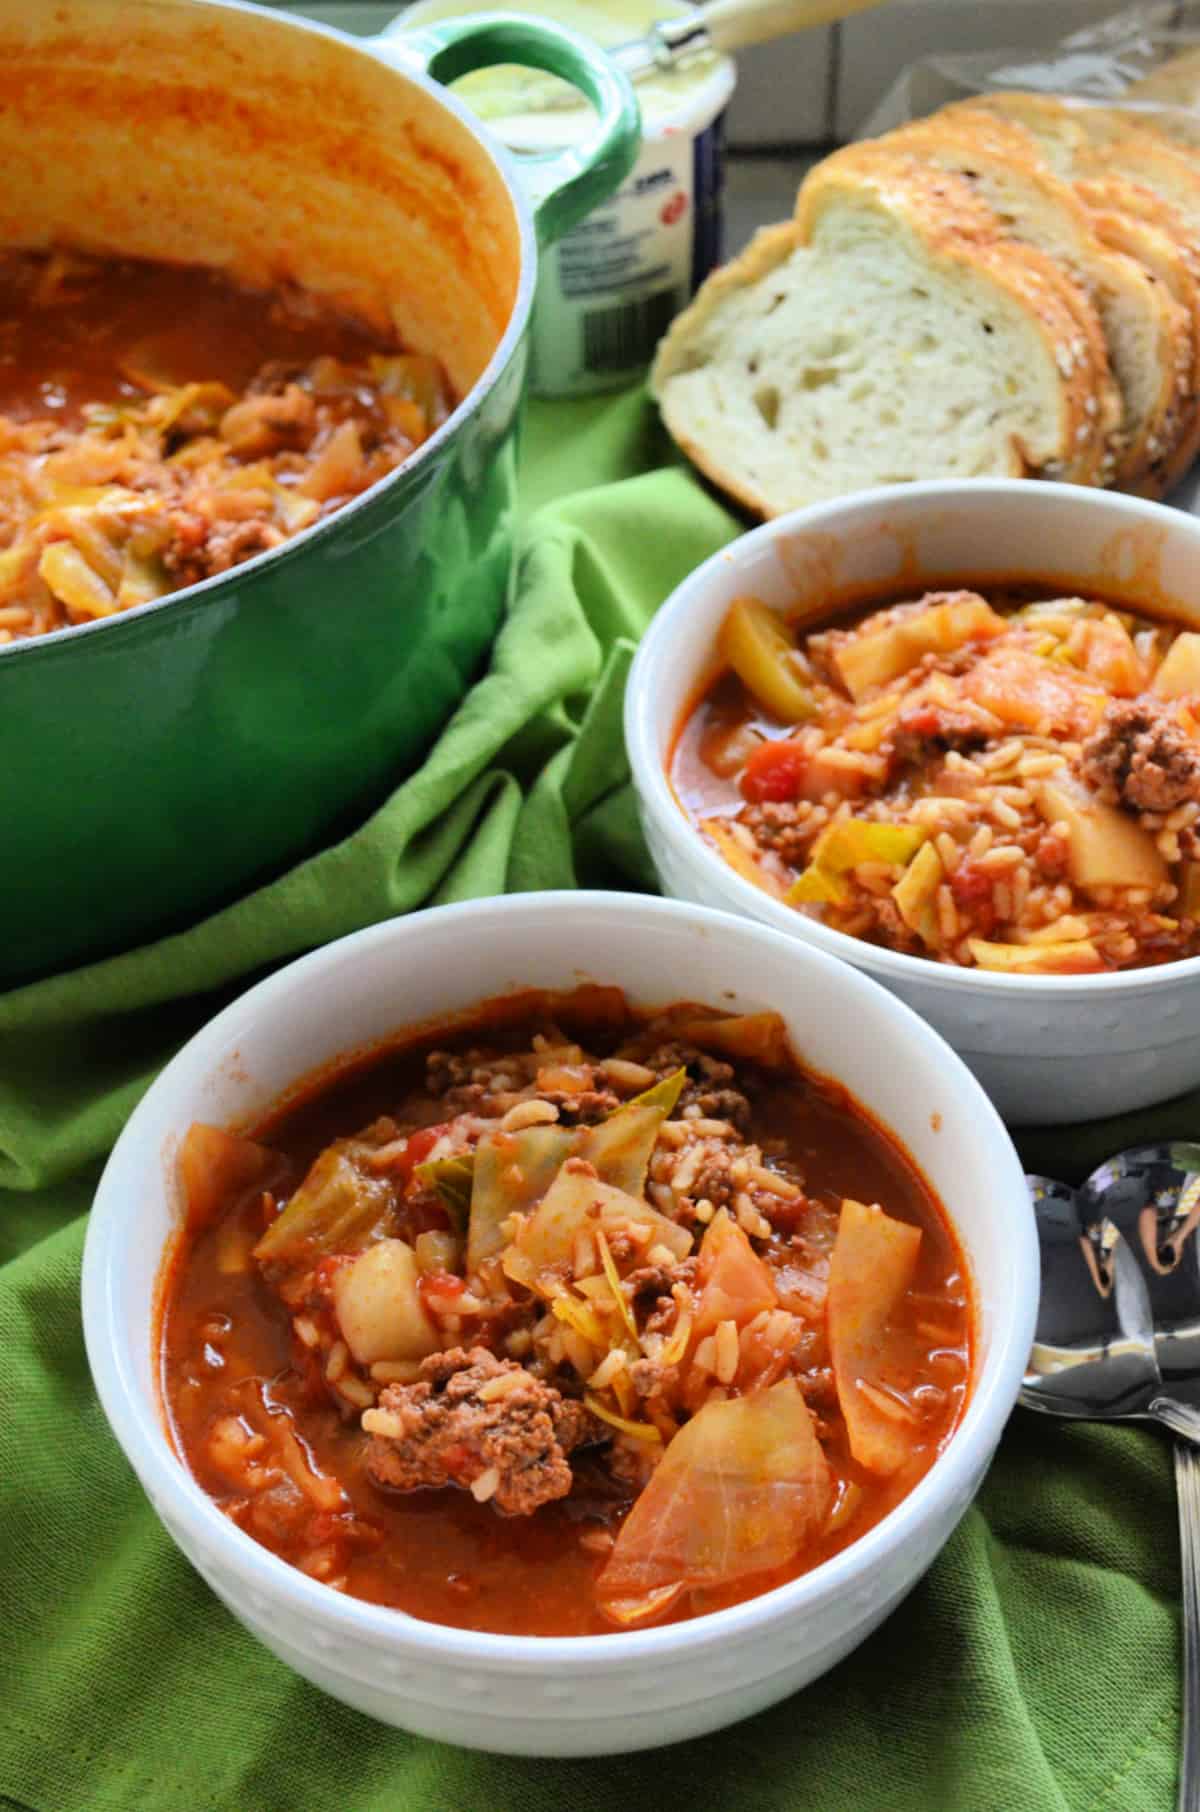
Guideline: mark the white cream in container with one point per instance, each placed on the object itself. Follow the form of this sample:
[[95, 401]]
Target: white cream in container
[[608, 290]]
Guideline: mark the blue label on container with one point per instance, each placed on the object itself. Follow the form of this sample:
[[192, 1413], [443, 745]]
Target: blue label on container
[[708, 180]]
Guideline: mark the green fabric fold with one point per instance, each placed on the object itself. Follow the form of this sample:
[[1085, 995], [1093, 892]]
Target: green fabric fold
[[1034, 1669]]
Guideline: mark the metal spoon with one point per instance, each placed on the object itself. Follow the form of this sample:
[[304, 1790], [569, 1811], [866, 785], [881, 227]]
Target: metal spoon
[[1120, 1294]]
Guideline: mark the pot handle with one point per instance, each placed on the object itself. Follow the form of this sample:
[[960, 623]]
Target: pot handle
[[563, 185]]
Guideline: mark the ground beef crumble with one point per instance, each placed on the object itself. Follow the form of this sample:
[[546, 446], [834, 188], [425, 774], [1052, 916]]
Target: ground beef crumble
[[451, 1436], [708, 1084], [781, 826], [926, 727], [584, 1107], [1142, 758]]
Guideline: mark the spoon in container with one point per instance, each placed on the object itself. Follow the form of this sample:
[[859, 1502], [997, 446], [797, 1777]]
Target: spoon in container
[[1120, 1295], [725, 26]]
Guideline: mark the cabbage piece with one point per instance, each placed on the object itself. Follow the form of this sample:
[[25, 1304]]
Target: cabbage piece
[[875, 656], [294, 512], [214, 1165], [74, 582], [144, 577], [337, 1207], [547, 1239], [1064, 956], [620, 1146], [740, 1490], [512, 1171], [753, 1037], [843, 846], [1024, 691], [1104, 648], [1105, 846], [415, 377], [872, 1266], [453, 1178], [735, 1284], [339, 468], [819, 886], [1179, 674], [755, 641], [915, 894]]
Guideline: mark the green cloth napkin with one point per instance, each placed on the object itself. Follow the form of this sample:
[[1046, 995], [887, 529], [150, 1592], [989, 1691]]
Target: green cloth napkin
[[1035, 1668]]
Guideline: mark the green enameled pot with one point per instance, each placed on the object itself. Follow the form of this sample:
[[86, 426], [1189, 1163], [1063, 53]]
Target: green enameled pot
[[157, 764]]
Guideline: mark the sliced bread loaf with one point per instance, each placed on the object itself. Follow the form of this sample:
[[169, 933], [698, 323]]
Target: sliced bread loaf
[[1145, 234], [884, 336], [1146, 334], [1121, 170]]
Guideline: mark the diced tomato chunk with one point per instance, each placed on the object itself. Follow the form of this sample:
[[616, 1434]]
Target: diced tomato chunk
[[440, 1283], [925, 720], [775, 771], [420, 1144], [327, 1269], [971, 889], [969, 884]]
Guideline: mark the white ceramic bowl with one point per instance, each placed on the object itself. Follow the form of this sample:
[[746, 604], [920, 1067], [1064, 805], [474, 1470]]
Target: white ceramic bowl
[[589, 1695], [1049, 1049]]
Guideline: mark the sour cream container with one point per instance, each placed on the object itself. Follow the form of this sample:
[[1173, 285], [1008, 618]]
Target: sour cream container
[[608, 291]]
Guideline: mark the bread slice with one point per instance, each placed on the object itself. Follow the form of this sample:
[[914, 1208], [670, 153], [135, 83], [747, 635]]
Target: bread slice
[[953, 210], [1121, 167], [1051, 123], [1084, 143], [1146, 333], [1137, 224], [882, 337]]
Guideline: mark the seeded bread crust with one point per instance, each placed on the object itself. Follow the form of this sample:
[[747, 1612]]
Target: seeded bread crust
[[961, 229], [1164, 260], [1124, 168], [1147, 334], [1015, 201], [1085, 221], [707, 366]]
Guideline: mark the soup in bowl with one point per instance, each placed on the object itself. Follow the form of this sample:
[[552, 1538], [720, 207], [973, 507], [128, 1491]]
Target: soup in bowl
[[946, 732], [578, 1295]]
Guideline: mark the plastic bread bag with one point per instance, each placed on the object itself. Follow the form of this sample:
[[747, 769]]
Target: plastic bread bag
[[1138, 58], [1141, 60]]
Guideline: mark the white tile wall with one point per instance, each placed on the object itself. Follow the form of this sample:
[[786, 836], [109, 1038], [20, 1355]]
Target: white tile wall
[[813, 86], [875, 46], [784, 94]]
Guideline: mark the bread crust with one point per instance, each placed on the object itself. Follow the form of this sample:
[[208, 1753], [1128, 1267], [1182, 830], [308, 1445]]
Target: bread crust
[[1112, 214], [962, 230], [770, 247], [1166, 262], [961, 152], [1100, 255], [954, 232]]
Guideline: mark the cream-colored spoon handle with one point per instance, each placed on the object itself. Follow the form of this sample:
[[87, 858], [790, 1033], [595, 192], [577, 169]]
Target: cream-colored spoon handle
[[732, 24]]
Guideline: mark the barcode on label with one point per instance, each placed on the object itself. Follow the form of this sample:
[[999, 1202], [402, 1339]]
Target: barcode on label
[[616, 339]]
